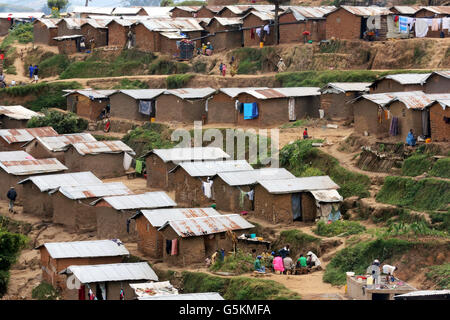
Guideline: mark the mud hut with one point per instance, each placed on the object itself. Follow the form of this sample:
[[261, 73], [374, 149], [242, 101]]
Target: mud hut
[[88, 103], [105, 159], [192, 182], [69, 26], [14, 139], [9, 19], [236, 189], [44, 30], [288, 200], [118, 30], [71, 204], [95, 33], [439, 111], [53, 147], [114, 213], [83, 12], [434, 12], [234, 11], [184, 11], [56, 256], [438, 82], [68, 44], [106, 281], [183, 105], [150, 241], [400, 82], [253, 24], [160, 161], [335, 95], [227, 33], [190, 241], [137, 104], [38, 201], [16, 117]]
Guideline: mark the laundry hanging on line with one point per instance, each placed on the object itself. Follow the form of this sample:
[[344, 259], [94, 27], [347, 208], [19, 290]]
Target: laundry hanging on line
[[250, 111]]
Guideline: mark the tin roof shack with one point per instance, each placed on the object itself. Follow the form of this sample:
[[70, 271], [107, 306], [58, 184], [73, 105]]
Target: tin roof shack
[[150, 241], [68, 44], [399, 82], [425, 295], [95, 33], [71, 204], [69, 26], [186, 296], [233, 187], [44, 30], [106, 280], [8, 19], [16, 117], [434, 12], [56, 256], [14, 139], [411, 110], [257, 20], [227, 33], [408, 11], [348, 22], [288, 200], [279, 105], [439, 124], [159, 162], [106, 159], [183, 105], [335, 96], [358, 289], [53, 147], [184, 11], [38, 200], [138, 104], [88, 103], [118, 32], [85, 11], [129, 11], [114, 213], [191, 180], [438, 82], [143, 291], [296, 20], [190, 241]]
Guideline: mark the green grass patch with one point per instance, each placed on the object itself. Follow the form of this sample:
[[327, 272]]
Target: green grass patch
[[45, 291], [299, 242], [440, 275], [416, 165], [131, 84], [441, 168], [418, 228], [341, 228], [14, 226], [61, 122], [426, 194], [296, 124], [178, 80], [358, 257], [53, 66], [252, 60], [300, 156], [238, 263], [441, 220], [164, 65], [238, 288]]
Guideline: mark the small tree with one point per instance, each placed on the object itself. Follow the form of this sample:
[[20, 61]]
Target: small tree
[[58, 4], [277, 4]]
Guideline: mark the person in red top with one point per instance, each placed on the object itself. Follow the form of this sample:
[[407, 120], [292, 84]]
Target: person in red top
[[305, 134]]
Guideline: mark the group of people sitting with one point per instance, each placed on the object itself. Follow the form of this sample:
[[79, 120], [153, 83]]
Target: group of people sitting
[[206, 49], [280, 262]]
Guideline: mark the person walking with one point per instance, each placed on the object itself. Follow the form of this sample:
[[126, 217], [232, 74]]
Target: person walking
[[224, 69], [31, 71], [36, 73], [221, 68], [305, 134], [11, 195]]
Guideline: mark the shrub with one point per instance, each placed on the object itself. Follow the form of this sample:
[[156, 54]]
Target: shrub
[[61, 122], [419, 228], [199, 67], [178, 80], [239, 263], [299, 242], [441, 168], [53, 65], [45, 291], [440, 275], [416, 165], [131, 84], [341, 228]]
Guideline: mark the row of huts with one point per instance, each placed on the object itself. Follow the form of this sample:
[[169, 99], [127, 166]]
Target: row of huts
[[231, 26]]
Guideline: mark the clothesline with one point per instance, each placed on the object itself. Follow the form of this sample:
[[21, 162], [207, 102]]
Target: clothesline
[[421, 25]]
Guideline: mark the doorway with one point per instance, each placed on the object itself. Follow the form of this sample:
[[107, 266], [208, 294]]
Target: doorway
[[297, 206]]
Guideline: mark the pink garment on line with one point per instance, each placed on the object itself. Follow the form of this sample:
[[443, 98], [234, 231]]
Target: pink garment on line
[[278, 264], [174, 247]]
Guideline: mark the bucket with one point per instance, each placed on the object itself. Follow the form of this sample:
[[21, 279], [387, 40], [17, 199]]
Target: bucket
[[253, 235], [350, 274], [261, 44]]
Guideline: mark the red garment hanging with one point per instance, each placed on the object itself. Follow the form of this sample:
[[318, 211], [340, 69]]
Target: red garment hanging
[[81, 293]]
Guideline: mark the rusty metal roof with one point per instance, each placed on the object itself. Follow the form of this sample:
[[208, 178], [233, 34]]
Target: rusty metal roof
[[188, 8], [18, 112], [95, 190], [293, 185], [211, 168], [85, 249], [263, 15], [93, 10], [29, 167], [172, 24], [92, 94], [27, 134], [215, 9], [98, 147], [407, 9], [227, 21], [194, 227], [417, 99], [438, 9], [445, 103], [190, 154], [142, 94], [191, 93], [367, 11], [123, 22], [243, 178], [97, 24], [15, 156], [58, 143], [149, 200], [304, 13], [239, 9], [49, 23], [159, 217], [278, 93], [53, 181]]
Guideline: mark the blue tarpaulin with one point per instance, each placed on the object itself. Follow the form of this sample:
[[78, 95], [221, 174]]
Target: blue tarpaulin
[[250, 110]]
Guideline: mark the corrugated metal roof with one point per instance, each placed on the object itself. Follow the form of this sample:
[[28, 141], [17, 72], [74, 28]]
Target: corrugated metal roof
[[347, 86], [190, 154], [93, 10], [62, 38], [367, 11], [158, 289], [211, 168], [299, 91], [18, 112], [234, 92], [191, 93], [243, 178], [377, 98], [15, 156], [239, 10], [298, 184], [158, 11], [92, 94], [28, 167], [98, 147], [417, 99], [126, 10], [157, 199], [123, 22], [27, 134], [53, 181], [72, 23], [406, 9], [58, 143], [228, 21], [215, 9], [112, 272], [303, 13], [188, 8], [408, 78], [327, 195], [172, 24], [443, 73], [97, 24], [86, 249], [21, 15], [186, 296], [49, 23], [159, 217], [96, 190], [424, 293], [193, 227], [438, 9], [173, 35], [263, 15], [142, 94], [445, 103]]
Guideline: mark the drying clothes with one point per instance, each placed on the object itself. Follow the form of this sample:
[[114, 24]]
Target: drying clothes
[[206, 105], [267, 29], [236, 104], [251, 194], [334, 216], [393, 130], [291, 108], [421, 28], [250, 111], [258, 32], [127, 159], [379, 116], [145, 107], [445, 23], [403, 24], [91, 295], [241, 108], [168, 247], [102, 286], [174, 251], [138, 168], [207, 187], [325, 210], [121, 295], [81, 294], [252, 33], [436, 24], [242, 198]]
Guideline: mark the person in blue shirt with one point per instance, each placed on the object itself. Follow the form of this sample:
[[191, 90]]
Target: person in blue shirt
[[31, 70], [410, 140]]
